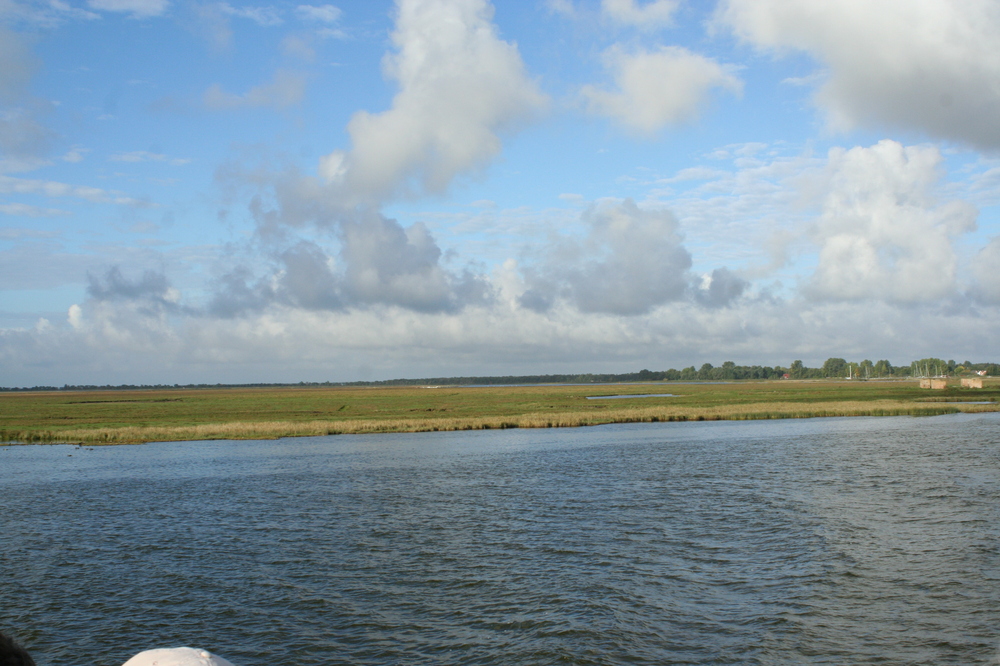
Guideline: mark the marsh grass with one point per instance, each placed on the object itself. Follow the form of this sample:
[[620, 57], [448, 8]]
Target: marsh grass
[[118, 417]]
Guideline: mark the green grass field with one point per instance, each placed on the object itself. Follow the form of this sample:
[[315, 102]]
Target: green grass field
[[130, 416]]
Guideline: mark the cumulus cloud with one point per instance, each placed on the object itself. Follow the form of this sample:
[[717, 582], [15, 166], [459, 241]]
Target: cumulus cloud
[[371, 259], [882, 235], [145, 297], [720, 288], [986, 273], [460, 85], [379, 263], [113, 285], [287, 89], [303, 278], [387, 263], [928, 65], [120, 341], [649, 15], [307, 279], [630, 261], [657, 88], [137, 8]]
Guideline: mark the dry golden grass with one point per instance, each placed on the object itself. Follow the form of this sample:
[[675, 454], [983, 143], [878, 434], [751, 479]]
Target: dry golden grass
[[657, 413]]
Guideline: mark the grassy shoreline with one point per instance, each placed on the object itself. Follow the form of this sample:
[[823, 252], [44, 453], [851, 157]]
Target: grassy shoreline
[[117, 417]]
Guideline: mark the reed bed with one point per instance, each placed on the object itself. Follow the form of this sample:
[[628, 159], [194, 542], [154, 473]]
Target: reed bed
[[631, 414]]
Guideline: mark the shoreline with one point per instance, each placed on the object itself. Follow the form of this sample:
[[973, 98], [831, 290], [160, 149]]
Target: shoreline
[[253, 430]]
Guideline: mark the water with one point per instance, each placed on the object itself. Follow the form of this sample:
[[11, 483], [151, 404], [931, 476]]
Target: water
[[632, 395], [823, 541]]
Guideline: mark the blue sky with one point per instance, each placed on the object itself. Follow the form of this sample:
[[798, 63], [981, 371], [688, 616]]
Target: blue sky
[[229, 192]]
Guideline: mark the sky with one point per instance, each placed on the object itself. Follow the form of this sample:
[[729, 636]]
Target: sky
[[219, 192]]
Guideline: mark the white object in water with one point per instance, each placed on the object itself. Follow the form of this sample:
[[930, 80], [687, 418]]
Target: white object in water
[[182, 656]]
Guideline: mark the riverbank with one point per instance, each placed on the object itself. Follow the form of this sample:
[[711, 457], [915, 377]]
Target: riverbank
[[127, 417]]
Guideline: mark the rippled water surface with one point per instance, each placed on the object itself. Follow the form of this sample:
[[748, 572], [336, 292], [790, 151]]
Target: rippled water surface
[[823, 541]]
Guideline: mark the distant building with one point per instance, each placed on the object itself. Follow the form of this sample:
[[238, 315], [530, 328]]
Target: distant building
[[936, 384]]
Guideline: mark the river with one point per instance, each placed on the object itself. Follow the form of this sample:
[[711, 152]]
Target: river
[[818, 541]]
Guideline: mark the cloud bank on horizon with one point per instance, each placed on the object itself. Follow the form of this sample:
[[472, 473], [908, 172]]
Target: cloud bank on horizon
[[220, 192]]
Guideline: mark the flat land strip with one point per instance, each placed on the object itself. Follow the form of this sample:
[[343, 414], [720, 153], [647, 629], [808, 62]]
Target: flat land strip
[[140, 415]]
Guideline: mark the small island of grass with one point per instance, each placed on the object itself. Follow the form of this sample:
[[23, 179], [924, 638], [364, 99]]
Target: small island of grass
[[171, 414]]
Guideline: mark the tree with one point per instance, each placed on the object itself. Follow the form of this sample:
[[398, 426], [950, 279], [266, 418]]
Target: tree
[[797, 370], [929, 367], [866, 369], [835, 367], [706, 371], [883, 368]]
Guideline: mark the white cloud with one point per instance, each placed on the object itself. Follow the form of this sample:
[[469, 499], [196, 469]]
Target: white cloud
[[299, 46], [287, 89], [120, 342], [49, 188], [11, 233], [66, 9], [986, 272], [262, 16], [26, 210], [137, 8], [562, 7], [75, 154], [43, 14], [929, 65], [328, 14], [630, 261], [17, 65], [649, 15], [379, 262], [882, 236], [657, 88], [460, 85], [212, 24], [146, 156], [211, 20], [24, 140], [75, 316]]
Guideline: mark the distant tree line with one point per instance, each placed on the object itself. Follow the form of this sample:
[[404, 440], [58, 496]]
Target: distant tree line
[[728, 371], [925, 367]]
